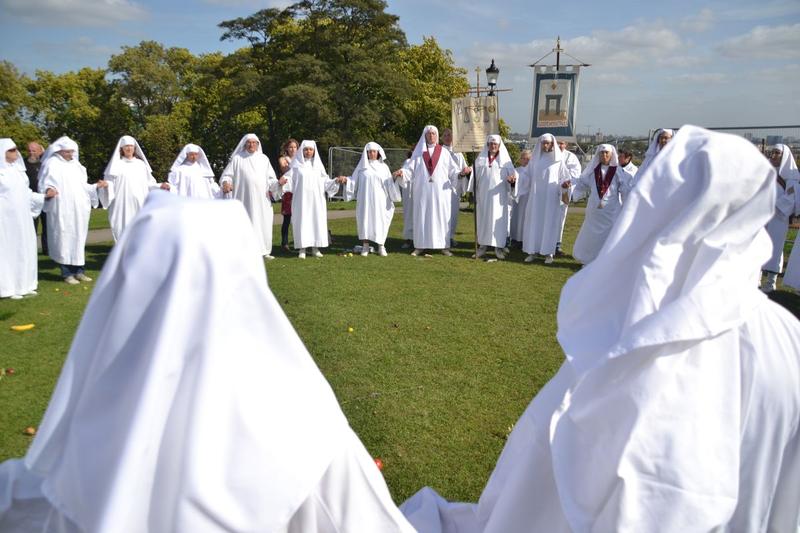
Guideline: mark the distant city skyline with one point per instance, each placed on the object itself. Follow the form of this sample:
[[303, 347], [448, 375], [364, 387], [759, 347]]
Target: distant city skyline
[[708, 63]]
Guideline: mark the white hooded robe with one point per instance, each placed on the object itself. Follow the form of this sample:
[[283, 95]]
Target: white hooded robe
[[310, 183], [493, 195]]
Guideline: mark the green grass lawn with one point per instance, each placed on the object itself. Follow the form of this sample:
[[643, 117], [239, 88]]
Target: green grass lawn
[[444, 355]]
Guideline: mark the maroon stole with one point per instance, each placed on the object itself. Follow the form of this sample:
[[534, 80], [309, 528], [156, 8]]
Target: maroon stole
[[781, 182], [603, 184], [430, 162], [492, 158]]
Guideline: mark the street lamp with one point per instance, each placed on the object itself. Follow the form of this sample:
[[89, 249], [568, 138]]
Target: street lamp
[[491, 75]]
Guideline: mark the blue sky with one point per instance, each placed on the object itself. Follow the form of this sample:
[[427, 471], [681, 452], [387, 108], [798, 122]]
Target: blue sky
[[723, 63]]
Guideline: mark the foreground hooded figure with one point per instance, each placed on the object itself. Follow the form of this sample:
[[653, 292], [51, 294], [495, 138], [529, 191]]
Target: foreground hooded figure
[[129, 179], [678, 405], [18, 205], [187, 410]]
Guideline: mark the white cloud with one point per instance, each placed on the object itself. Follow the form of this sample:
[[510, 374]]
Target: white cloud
[[764, 42], [613, 78], [73, 12], [700, 78], [700, 22]]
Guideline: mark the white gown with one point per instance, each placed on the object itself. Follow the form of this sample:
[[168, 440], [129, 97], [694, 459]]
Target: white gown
[[574, 169], [375, 192], [458, 190], [493, 198], [520, 205], [433, 199], [309, 206], [677, 408], [125, 194], [19, 265], [189, 179], [598, 221], [778, 226], [541, 182], [252, 177], [68, 213]]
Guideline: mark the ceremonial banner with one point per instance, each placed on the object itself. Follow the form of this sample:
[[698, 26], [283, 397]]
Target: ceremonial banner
[[474, 118], [555, 99]]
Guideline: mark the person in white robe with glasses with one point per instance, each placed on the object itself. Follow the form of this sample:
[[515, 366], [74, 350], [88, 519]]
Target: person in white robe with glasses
[[493, 176], [69, 199], [605, 183], [249, 178], [677, 408]]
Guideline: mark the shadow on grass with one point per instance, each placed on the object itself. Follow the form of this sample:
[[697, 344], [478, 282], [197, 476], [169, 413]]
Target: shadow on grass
[[96, 255]]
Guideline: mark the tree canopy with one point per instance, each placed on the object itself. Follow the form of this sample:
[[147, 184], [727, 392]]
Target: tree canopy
[[337, 71]]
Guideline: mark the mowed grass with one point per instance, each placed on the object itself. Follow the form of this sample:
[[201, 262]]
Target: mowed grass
[[444, 355]]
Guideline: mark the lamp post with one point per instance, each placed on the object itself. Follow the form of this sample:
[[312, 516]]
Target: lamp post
[[491, 77]]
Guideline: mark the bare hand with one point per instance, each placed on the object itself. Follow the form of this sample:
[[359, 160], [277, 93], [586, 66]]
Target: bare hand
[[342, 180], [512, 179], [282, 181], [51, 193], [398, 173], [466, 171], [165, 186], [226, 187], [101, 184], [566, 184]]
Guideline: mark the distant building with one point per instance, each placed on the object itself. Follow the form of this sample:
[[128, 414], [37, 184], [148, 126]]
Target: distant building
[[772, 140]]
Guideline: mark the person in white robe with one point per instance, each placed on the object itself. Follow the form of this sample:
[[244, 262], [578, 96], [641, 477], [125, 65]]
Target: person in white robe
[[519, 202], [249, 178], [375, 191], [625, 157], [431, 174], [461, 185], [657, 143], [541, 181], [191, 174], [68, 204], [677, 407], [408, 210], [310, 183], [492, 177], [574, 169], [228, 423], [787, 184], [603, 182], [130, 179], [19, 205]]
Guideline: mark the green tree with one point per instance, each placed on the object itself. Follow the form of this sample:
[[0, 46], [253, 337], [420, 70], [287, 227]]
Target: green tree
[[434, 80], [326, 70], [84, 106], [16, 105]]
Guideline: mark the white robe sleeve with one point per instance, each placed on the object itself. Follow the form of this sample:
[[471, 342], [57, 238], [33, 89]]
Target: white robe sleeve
[[408, 173], [91, 190], [331, 187], [785, 201], [107, 195], [37, 203], [523, 183], [581, 188], [350, 188]]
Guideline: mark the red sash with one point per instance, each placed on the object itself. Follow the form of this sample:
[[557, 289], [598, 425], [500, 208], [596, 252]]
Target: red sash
[[430, 162], [603, 184], [492, 158]]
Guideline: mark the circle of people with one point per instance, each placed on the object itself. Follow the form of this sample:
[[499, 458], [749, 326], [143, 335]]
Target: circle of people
[[527, 203], [675, 409]]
